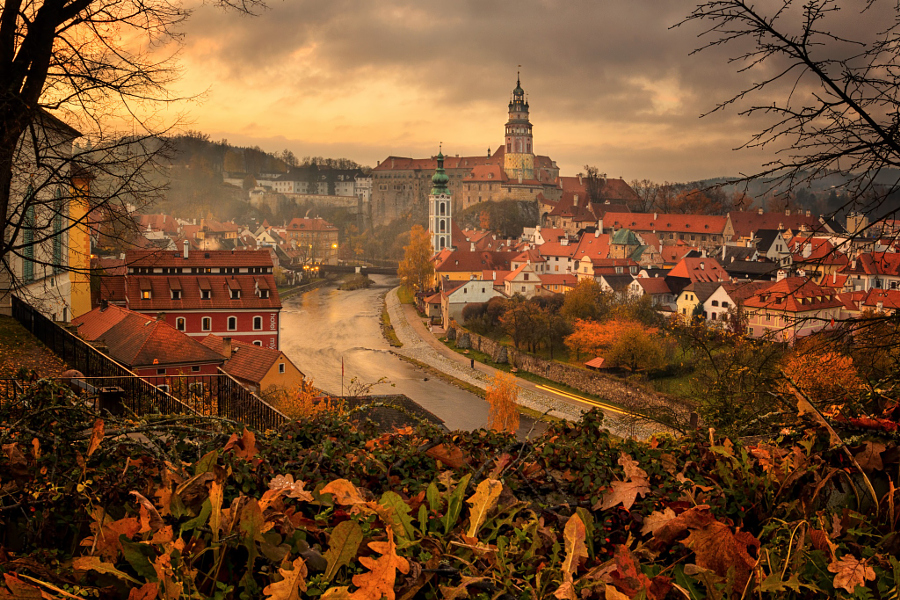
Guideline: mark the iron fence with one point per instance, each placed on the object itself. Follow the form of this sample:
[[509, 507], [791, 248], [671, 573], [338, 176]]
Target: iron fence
[[208, 395]]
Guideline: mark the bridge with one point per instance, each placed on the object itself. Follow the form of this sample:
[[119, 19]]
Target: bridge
[[365, 269]]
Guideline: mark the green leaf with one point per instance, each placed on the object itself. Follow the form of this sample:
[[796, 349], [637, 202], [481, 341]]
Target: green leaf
[[206, 464], [199, 520], [433, 496], [401, 522], [423, 519], [138, 556], [454, 504], [342, 546], [588, 519], [93, 563]]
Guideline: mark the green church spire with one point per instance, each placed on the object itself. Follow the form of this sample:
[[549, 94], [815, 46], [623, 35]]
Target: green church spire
[[440, 179]]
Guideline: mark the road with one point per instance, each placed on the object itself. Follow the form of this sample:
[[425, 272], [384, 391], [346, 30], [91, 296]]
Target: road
[[322, 326]]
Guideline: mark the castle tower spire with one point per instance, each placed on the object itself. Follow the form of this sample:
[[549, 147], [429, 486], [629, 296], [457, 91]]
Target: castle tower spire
[[518, 161]]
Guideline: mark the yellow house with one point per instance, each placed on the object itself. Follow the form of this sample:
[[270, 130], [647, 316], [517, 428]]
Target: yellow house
[[260, 370]]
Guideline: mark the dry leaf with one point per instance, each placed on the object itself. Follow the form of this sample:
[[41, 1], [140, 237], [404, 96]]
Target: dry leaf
[[450, 455], [344, 492], [483, 501], [625, 492], [657, 519], [244, 446], [148, 591], [851, 572], [378, 582], [96, 437], [574, 536], [293, 582], [718, 548], [460, 591], [870, 457], [150, 519], [291, 488]]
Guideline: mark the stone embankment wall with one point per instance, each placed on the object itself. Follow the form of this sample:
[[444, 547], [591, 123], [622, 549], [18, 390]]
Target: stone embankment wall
[[590, 382]]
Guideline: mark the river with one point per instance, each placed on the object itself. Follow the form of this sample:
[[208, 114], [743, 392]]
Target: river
[[324, 326]]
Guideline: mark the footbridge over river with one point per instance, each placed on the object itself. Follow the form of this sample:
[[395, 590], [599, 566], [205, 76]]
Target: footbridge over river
[[365, 269]]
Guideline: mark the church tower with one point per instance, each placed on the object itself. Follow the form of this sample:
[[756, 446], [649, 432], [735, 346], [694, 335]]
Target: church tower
[[518, 161], [439, 208]]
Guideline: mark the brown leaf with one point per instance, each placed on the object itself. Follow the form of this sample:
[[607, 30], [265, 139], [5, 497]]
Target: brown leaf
[[657, 519], [148, 591], [851, 572], [291, 488], [96, 437], [378, 582], [450, 455], [628, 577], [244, 446], [293, 582], [36, 448], [461, 591], [870, 457], [483, 501], [344, 492], [150, 519], [106, 533], [21, 589], [693, 518], [718, 548], [625, 492]]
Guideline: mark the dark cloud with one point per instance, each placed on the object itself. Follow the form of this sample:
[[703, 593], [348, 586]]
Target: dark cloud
[[614, 74]]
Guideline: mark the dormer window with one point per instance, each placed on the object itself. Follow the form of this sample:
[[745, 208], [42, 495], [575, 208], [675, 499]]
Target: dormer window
[[263, 294], [204, 294], [176, 294], [235, 294], [145, 294]]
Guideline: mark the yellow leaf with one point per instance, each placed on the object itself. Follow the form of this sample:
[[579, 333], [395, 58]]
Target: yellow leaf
[[851, 572], [574, 535], [93, 563], [291, 585], [483, 501], [344, 492], [96, 437], [378, 582]]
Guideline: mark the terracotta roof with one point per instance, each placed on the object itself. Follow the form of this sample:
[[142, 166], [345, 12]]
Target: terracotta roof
[[402, 163], [794, 294], [889, 299], [875, 263], [552, 234], [701, 224], [489, 173], [748, 221], [592, 246], [494, 276], [559, 279], [163, 223], [595, 363], [219, 285], [699, 269], [739, 291], [138, 340], [821, 251], [835, 280], [654, 285], [674, 253], [702, 289], [852, 300], [465, 260], [248, 362], [557, 249], [208, 258]]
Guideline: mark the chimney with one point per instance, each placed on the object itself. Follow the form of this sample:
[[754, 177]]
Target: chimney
[[787, 212], [853, 264], [808, 213], [186, 248], [392, 163], [703, 254], [226, 347], [471, 246], [104, 304], [574, 202], [759, 210], [655, 216], [579, 179], [780, 275], [807, 250], [596, 233], [702, 266], [834, 277], [600, 226]]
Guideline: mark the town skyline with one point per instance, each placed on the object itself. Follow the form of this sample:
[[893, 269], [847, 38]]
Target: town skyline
[[612, 87]]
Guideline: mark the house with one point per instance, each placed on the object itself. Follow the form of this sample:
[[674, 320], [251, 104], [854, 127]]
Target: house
[[695, 269], [455, 296], [464, 264], [770, 244], [261, 370], [791, 308], [886, 302], [594, 268], [524, 280], [615, 284], [215, 292], [879, 270], [744, 224], [729, 295], [317, 237], [757, 270], [817, 257], [559, 255], [656, 288], [558, 283], [147, 345], [707, 231], [696, 293]]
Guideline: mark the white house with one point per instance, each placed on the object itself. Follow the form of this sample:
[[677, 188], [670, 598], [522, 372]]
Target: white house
[[454, 298], [523, 280]]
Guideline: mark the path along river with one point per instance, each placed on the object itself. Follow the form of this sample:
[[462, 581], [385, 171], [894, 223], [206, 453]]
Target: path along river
[[323, 326]]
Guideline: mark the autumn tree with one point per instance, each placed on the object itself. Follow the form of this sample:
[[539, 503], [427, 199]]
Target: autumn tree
[[585, 301], [502, 396], [519, 320], [72, 69], [595, 184], [416, 271], [646, 192], [623, 343], [827, 376]]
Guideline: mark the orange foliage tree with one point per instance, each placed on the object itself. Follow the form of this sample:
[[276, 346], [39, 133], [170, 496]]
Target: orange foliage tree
[[826, 376], [502, 396], [623, 342], [305, 402]]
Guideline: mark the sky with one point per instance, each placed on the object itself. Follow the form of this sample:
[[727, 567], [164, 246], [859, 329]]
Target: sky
[[610, 84]]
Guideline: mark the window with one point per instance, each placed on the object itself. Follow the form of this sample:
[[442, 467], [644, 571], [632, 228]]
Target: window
[[232, 323], [204, 294], [160, 371], [145, 294], [715, 302], [257, 323], [235, 294], [281, 367], [257, 342], [195, 369], [179, 323], [206, 324], [724, 305], [163, 388], [176, 294], [263, 294]]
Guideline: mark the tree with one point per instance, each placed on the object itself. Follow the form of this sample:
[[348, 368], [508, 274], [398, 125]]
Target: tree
[[591, 338], [586, 301], [824, 375], [416, 270], [646, 191], [90, 63], [501, 396], [825, 92], [595, 184]]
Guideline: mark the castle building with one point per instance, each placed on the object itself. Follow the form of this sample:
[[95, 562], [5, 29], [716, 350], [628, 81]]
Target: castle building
[[401, 185], [440, 208]]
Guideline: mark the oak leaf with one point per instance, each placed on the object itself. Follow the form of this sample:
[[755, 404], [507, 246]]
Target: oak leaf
[[244, 446], [291, 488], [851, 572], [148, 591], [625, 492], [93, 563], [21, 590], [378, 582], [483, 501], [461, 591], [105, 540], [630, 580], [293, 582], [718, 548], [870, 456], [657, 519]]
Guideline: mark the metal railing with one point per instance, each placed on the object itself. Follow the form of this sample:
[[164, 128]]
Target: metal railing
[[207, 395]]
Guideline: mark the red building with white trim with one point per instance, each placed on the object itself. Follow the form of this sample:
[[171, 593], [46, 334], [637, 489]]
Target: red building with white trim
[[225, 293]]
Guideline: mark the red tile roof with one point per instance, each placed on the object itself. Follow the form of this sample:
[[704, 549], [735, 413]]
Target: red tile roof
[[163, 223], [138, 340], [794, 294], [488, 173], [208, 258], [219, 285], [592, 246], [654, 285], [465, 260], [749, 221], [699, 269], [701, 224], [889, 299], [248, 362], [821, 251], [875, 263]]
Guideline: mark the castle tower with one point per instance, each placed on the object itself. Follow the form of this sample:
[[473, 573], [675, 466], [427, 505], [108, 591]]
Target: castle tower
[[439, 208], [518, 161]]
